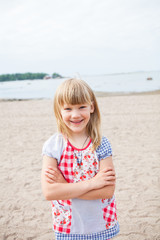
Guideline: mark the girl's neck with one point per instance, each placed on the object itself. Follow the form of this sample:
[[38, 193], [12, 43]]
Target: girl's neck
[[79, 141]]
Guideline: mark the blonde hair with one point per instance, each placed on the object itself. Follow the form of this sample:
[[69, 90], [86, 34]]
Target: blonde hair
[[75, 91]]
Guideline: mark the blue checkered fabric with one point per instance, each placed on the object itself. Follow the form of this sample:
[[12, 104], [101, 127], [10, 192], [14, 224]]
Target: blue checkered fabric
[[104, 235], [104, 150]]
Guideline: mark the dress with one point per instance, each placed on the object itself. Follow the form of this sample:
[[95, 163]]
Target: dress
[[80, 219]]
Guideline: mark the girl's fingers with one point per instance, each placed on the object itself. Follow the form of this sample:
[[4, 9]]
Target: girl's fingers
[[50, 167], [110, 183], [54, 175], [49, 170], [113, 178], [53, 168], [110, 173], [50, 176], [107, 169], [50, 180], [52, 172]]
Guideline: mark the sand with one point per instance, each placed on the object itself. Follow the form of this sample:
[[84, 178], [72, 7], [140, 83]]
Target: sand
[[132, 124]]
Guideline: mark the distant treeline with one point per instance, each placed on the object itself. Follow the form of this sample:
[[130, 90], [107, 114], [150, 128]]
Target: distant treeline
[[25, 76]]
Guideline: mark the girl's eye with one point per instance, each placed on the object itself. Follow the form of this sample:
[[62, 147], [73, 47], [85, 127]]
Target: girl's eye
[[67, 109], [82, 107]]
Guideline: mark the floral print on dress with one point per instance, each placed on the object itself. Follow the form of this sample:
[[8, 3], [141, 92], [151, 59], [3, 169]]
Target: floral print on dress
[[61, 214], [87, 167]]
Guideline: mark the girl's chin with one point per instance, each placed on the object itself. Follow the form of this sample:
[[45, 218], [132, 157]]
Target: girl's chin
[[76, 130]]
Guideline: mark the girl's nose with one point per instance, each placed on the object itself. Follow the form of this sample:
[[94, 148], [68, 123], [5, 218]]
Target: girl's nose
[[75, 113]]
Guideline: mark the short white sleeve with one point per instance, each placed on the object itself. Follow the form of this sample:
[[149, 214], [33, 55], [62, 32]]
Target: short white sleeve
[[54, 146]]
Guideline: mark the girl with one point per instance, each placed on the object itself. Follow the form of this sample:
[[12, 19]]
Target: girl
[[78, 174]]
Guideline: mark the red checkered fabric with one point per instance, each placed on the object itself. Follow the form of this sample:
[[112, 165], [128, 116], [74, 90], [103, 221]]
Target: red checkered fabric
[[61, 211], [66, 163], [66, 167], [109, 213], [62, 229]]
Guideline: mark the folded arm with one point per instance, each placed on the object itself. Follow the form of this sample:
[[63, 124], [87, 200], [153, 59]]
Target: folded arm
[[106, 191], [55, 187]]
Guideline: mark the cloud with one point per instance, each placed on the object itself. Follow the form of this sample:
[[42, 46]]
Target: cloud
[[90, 33]]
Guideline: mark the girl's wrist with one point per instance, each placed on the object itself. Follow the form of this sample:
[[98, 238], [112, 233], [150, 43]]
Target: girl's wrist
[[87, 185], [91, 185]]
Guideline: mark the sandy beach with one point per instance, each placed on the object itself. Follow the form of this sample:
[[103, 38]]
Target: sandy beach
[[132, 124]]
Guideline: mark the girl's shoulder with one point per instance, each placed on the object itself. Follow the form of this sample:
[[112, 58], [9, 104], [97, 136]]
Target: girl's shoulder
[[104, 149], [54, 146]]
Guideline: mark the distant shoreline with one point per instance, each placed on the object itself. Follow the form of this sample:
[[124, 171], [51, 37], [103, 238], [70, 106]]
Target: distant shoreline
[[17, 76], [98, 94], [27, 76], [109, 94]]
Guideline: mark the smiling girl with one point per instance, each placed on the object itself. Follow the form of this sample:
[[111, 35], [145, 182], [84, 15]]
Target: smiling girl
[[78, 175]]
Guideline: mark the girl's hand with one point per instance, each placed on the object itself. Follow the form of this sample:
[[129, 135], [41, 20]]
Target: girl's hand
[[105, 177], [53, 175]]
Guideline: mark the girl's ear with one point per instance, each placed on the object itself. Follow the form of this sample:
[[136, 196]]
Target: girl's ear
[[92, 107]]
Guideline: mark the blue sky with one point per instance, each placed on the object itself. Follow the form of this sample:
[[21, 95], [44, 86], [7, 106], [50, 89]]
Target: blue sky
[[79, 36]]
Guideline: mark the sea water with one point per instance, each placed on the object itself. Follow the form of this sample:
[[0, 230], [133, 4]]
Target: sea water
[[111, 83]]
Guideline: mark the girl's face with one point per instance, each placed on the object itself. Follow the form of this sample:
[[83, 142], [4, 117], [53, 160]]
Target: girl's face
[[77, 116]]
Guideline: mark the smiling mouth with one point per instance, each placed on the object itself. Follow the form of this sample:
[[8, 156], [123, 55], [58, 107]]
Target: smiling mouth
[[76, 122]]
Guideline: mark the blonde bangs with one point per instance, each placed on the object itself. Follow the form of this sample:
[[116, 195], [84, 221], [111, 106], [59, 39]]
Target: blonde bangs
[[74, 92]]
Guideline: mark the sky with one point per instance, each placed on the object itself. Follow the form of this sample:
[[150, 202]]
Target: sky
[[79, 36]]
